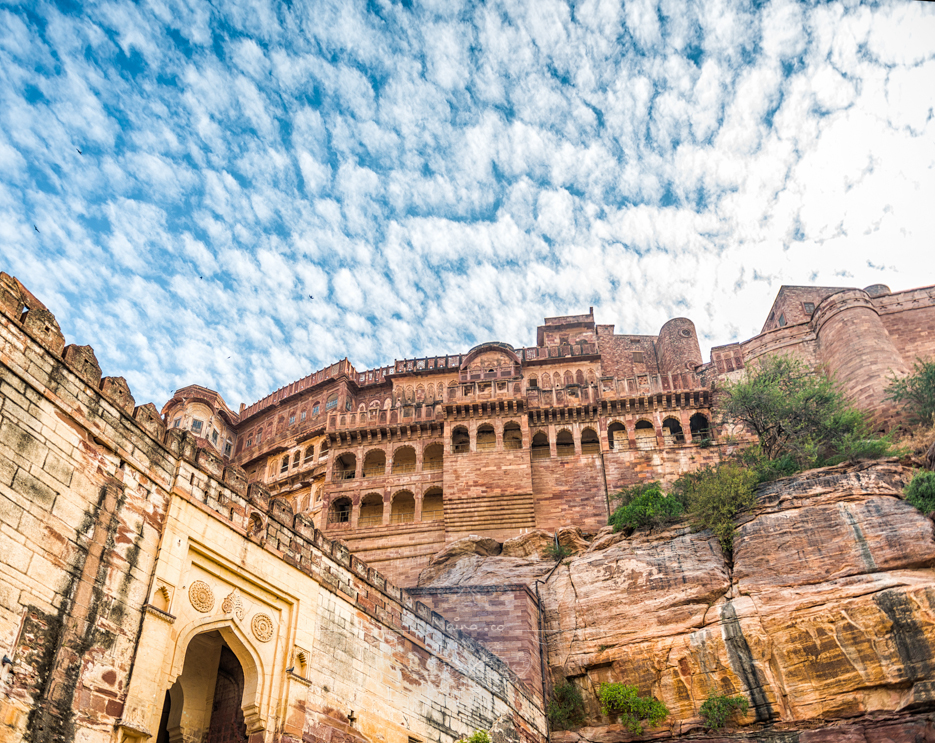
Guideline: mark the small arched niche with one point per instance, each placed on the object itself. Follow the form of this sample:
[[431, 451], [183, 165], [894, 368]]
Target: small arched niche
[[432, 505], [340, 511], [617, 436], [371, 511], [375, 463], [345, 466], [590, 443], [512, 436], [432, 457], [645, 435], [672, 431], [565, 444], [486, 437], [460, 440], [540, 446], [404, 460], [403, 508], [700, 427]]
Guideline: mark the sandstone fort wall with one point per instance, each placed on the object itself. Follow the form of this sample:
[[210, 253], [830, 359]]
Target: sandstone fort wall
[[126, 543]]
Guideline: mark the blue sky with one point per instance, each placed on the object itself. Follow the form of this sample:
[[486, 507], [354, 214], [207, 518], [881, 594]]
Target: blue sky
[[263, 188]]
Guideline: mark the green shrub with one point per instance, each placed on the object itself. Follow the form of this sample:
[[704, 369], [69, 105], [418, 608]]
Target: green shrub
[[716, 495], [916, 393], [566, 708], [798, 414], [719, 708], [630, 709], [921, 491], [557, 551], [479, 736], [644, 505]]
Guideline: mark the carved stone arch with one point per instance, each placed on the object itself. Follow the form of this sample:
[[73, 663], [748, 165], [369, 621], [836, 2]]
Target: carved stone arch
[[557, 380], [569, 379], [256, 675]]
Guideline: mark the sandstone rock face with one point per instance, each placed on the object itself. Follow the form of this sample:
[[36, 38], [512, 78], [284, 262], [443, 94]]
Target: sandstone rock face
[[824, 619]]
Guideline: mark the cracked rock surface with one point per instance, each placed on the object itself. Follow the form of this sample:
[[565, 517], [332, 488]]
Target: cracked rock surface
[[825, 619]]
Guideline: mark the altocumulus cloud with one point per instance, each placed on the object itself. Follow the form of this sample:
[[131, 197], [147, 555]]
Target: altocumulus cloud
[[263, 188]]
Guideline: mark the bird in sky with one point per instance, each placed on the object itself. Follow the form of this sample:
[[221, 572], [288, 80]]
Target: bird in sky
[[310, 296], [35, 228], [79, 150]]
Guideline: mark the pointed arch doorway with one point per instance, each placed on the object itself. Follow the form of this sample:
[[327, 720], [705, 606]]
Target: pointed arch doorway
[[205, 704]]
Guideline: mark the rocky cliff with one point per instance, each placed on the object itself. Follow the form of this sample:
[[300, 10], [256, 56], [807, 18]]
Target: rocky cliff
[[824, 619]]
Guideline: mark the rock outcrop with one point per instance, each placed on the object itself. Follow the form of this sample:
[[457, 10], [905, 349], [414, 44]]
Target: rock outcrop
[[824, 619]]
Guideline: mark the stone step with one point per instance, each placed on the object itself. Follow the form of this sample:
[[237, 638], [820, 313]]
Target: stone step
[[483, 513]]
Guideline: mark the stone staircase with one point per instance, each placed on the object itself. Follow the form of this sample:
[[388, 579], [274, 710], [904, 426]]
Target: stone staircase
[[488, 513]]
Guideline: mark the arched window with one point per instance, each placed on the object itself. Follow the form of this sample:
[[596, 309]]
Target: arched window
[[590, 443], [309, 454], [325, 449], [700, 427], [569, 378], [460, 440], [512, 436], [345, 467], [617, 436], [486, 437], [371, 511], [557, 380], [532, 382], [295, 459], [579, 377], [432, 506], [403, 508], [432, 457], [375, 463], [332, 402], [404, 460], [565, 444], [645, 435], [316, 408], [540, 446], [340, 511], [672, 431], [285, 465]]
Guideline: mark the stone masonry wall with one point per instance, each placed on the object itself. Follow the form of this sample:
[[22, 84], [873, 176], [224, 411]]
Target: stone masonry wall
[[504, 618], [570, 490], [86, 481]]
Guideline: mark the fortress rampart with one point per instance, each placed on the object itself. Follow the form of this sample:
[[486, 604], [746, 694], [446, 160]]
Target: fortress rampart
[[144, 548], [138, 559]]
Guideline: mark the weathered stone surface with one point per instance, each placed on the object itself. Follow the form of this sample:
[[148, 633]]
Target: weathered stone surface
[[44, 327], [84, 363], [117, 391], [826, 614]]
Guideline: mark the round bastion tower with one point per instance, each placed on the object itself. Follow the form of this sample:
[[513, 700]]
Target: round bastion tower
[[677, 347], [857, 350]]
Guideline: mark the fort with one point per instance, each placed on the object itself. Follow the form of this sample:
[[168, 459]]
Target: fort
[[199, 573]]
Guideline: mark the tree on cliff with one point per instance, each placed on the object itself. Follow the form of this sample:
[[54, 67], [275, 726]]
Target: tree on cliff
[[916, 393], [797, 415]]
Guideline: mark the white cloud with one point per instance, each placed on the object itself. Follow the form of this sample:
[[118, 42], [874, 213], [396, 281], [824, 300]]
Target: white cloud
[[266, 188]]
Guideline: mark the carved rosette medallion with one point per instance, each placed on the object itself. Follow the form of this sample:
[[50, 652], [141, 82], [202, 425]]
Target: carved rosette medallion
[[201, 596], [233, 604], [262, 627]]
